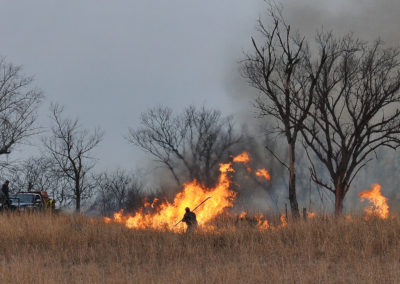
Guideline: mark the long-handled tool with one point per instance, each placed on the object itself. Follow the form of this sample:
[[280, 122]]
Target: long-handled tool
[[196, 208]]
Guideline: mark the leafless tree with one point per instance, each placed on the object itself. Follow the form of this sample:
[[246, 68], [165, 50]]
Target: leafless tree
[[113, 191], [276, 69], [37, 173], [18, 106], [190, 144], [355, 110], [69, 147]]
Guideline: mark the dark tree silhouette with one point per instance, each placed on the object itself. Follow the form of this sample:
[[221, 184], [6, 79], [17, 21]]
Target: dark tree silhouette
[[190, 145], [276, 68], [18, 106], [355, 110], [69, 147]]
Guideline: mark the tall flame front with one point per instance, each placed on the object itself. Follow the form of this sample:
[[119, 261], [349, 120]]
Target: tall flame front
[[166, 214]]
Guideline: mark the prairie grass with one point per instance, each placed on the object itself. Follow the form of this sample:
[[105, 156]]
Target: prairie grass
[[43, 248]]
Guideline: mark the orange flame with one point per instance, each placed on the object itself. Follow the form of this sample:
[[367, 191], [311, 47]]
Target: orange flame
[[167, 213], [163, 215], [311, 215], [243, 158], [263, 173], [264, 225], [242, 215], [379, 206], [283, 221]]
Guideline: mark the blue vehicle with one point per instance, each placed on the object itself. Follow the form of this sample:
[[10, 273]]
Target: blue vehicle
[[27, 201]]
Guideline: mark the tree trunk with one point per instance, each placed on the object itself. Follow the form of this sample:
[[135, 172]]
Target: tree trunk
[[292, 183], [339, 198], [338, 202], [78, 197]]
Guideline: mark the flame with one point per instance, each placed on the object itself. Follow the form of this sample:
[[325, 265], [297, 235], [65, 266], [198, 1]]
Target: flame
[[379, 206], [164, 215], [263, 173], [243, 158], [167, 214], [283, 221], [153, 204], [263, 225], [311, 215]]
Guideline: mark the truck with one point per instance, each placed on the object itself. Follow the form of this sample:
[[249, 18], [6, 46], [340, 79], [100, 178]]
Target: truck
[[31, 201]]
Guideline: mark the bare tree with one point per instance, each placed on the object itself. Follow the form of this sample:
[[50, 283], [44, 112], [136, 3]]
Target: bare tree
[[355, 110], [113, 191], [37, 173], [190, 144], [18, 106], [276, 69], [69, 147]]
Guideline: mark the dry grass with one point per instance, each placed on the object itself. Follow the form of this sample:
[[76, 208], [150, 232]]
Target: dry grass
[[75, 249]]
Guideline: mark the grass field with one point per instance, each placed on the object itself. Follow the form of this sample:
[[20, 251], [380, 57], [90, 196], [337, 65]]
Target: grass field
[[75, 249]]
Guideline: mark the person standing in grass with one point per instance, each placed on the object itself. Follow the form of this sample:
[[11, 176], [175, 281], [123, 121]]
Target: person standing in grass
[[5, 191], [190, 219]]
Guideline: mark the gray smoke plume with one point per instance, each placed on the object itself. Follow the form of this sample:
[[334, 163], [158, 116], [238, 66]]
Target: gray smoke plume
[[368, 20]]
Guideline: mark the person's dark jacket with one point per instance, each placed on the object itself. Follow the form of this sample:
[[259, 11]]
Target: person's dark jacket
[[190, 219], [4, 189]]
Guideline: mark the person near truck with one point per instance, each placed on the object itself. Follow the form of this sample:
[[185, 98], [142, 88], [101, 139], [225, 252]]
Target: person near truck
[[6, 194]]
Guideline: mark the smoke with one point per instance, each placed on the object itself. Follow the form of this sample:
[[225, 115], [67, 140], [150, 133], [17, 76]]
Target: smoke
[[368, 20]]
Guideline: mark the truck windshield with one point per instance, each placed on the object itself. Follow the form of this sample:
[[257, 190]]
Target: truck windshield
[[23, 198]]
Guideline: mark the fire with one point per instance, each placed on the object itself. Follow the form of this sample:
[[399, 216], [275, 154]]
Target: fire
[[243, 158], [167, 214], [242, 215], [310, 215], [264, 225], [263, 173], [283, 221], [379, 206], [164, 215]]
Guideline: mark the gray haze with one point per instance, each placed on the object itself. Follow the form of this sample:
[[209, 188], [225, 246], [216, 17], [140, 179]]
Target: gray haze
[[107, 61], [368, 20]]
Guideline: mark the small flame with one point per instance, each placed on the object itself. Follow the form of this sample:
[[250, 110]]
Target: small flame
[[283, 221], [243, 158], [263, 173], [379, 206], [263, 225], [311, 215], [153, 204]]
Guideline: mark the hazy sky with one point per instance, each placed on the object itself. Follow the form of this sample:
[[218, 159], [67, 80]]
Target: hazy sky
[[107, 61]]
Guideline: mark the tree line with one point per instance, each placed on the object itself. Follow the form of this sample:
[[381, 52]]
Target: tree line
[[334, 98]]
